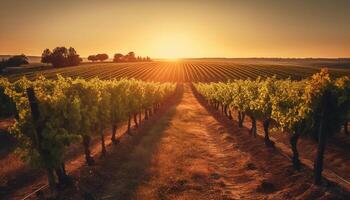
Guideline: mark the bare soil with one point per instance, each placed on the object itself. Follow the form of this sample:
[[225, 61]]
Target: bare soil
[[336, 158]]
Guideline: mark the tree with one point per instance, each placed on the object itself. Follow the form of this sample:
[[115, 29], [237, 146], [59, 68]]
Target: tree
[[46, 56], [130, 56], [16, 61], [92, 58], [118, 57], [58, 57], [102, 57], [61, 56], [72, 57]]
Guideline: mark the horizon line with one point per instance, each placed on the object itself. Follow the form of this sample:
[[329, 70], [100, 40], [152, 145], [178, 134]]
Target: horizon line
[[214, 57]]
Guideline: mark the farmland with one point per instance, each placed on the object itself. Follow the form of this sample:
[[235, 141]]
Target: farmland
[[188, 70], [216, 156], [175, 100]]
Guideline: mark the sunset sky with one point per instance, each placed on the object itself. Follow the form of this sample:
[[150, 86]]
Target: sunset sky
[[172, 29]]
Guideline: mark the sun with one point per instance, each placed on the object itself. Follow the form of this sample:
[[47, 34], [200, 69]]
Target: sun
[[173, 45]]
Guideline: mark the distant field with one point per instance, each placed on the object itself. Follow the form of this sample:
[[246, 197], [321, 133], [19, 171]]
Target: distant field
[[190, 70]]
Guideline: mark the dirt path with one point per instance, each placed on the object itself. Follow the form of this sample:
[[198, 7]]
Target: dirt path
[[189, 154]]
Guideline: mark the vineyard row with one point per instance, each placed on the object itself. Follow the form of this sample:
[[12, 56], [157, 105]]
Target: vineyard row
[[318, 106], [53, 114], [185, 71]]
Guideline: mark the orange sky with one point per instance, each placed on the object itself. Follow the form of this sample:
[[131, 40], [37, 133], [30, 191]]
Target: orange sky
[[171, 29]]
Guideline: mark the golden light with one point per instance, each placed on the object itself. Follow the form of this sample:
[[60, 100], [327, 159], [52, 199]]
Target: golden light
[[173, 45]]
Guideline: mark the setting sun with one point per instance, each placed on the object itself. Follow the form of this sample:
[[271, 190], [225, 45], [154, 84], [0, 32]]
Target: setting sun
[[173, 45]]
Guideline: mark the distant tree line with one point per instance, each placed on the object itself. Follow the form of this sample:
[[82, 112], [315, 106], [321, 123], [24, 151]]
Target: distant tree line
[[101, 57], [118, 57], [130, 57], [61, 57], [14, 61]]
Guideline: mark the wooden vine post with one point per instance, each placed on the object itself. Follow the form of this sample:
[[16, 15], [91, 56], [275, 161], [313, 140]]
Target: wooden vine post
[[38, 138], [323, 132]]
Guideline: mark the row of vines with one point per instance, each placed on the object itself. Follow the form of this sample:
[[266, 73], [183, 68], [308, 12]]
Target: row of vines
[[53, 114], [318, 106], [181, 71]]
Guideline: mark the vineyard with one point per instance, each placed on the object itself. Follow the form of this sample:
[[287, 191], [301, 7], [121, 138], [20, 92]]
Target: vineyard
[[53, 114], [175, 100], [186, 129], [184, 71], [319, 107]]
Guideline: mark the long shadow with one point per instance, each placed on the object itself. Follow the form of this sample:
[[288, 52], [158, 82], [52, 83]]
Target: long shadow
[[126, 166]]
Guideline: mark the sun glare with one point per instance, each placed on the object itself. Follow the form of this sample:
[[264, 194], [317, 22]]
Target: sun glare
[[173, 46]]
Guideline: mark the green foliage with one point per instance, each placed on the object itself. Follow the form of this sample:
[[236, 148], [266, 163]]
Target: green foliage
[[292, 104], [71, 108]]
